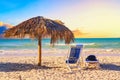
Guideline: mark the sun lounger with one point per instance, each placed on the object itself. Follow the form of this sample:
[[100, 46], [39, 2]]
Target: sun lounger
[[74, 57], [92, 62]]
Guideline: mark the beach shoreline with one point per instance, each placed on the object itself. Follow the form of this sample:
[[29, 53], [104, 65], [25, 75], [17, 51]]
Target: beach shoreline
[[59, 52]]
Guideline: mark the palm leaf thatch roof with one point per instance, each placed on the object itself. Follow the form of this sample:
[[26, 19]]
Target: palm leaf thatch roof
[[37, 27]]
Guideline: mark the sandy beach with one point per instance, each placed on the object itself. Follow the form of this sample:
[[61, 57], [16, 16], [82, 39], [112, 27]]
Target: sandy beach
[[53, 67], [38, 36]]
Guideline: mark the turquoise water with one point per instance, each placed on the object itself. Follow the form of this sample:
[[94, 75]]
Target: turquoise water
[[106, 43]]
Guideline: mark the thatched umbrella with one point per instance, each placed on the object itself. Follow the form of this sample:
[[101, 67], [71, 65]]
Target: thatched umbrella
[[40, 27]]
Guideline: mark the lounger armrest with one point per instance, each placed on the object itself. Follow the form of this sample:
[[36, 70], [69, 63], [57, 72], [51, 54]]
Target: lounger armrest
[[74, 58], [91, 61]]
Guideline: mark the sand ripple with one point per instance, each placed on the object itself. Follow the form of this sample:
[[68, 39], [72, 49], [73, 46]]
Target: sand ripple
[[54, 68]]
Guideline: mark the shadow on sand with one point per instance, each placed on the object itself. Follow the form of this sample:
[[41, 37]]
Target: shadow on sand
[[11, 67], [110, 67]]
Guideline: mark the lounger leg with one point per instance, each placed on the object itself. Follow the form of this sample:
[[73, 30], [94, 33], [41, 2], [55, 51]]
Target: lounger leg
[[98, 66], [78, 65], [69, 67], [86, 65]]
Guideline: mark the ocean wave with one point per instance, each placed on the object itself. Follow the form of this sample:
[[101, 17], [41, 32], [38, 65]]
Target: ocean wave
[[89, 43], [10, 45], [72, 44]]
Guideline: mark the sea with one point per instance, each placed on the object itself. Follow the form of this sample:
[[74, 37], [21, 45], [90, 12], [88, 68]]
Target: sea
[[18, 44]]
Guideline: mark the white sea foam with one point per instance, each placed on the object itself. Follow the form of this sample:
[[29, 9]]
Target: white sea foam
[[88, 43], [2, 51], [72, 44]]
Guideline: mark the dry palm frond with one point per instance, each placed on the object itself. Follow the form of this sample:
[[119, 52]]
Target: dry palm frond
[[41, 27]]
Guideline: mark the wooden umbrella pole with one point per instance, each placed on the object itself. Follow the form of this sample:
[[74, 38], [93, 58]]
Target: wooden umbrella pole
[[39, 52]]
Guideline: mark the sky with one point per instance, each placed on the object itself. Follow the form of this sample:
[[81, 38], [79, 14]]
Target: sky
[[95, 18]]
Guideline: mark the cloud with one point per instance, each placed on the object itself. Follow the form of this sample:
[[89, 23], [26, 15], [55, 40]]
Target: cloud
[[1, 23], [5, 24], [79, 33]]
